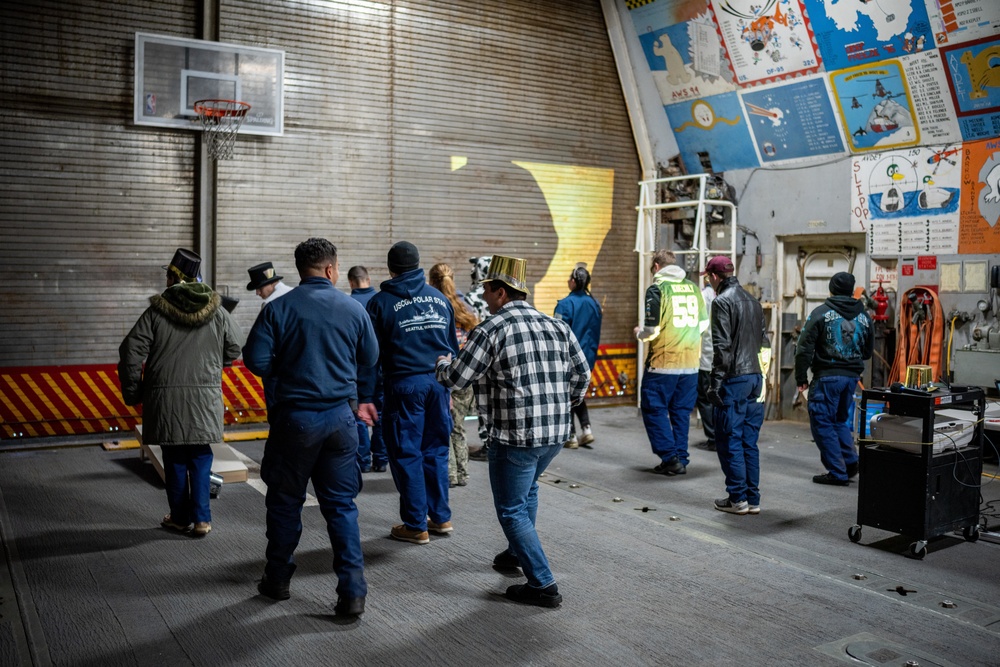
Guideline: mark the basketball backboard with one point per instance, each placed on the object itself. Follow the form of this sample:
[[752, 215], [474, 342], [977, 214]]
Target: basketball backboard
[[172, 73]]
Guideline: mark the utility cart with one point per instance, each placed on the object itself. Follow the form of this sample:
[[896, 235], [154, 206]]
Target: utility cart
[[920, 470]]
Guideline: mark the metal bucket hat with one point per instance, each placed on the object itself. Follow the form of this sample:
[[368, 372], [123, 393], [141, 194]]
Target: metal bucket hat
[[508, 270]]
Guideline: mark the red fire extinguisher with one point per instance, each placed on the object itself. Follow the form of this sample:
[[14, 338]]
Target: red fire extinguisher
[[881, 304]]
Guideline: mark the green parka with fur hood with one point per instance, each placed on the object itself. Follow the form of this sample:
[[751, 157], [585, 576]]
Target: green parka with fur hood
[[185, 337]]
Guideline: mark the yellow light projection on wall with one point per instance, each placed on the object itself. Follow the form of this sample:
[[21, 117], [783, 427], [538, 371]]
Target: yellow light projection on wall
[[579, 199]]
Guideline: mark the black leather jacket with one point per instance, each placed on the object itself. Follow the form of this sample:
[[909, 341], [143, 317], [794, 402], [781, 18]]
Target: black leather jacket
[[738, 333]]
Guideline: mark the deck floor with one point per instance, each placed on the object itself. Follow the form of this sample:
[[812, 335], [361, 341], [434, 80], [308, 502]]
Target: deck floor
[[659, 578]]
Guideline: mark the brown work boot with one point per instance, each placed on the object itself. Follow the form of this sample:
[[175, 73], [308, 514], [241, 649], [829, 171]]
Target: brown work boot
[[168, 522], [404, 534], [201, 529], [440, 528]]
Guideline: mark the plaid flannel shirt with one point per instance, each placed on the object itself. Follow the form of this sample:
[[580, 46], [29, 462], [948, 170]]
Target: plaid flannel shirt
[[530, 371]]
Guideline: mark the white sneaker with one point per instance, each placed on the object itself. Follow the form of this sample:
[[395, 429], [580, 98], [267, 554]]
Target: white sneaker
[[587, 436], [726, 505]]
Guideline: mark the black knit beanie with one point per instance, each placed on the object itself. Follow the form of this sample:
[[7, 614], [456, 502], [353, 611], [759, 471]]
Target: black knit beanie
[[403, 257], [842, 284]]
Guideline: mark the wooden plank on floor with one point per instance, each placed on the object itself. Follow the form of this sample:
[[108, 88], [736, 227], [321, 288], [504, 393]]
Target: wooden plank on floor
[[116, 445], [225, 463]]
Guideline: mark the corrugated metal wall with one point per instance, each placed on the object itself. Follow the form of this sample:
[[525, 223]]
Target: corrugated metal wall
[[89, 205], [379, 100]]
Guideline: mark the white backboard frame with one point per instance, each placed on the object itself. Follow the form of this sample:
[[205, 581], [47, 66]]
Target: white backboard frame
[[172, 73]]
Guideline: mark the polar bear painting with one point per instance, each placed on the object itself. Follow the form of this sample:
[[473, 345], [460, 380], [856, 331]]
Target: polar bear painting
[[992, 181], [676, 72], [988, 201]]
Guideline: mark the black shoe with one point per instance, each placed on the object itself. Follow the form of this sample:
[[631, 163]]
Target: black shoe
[[505, 561], [378, 467], [670, 467], [276, 590], [349, 607], [710, 446], [478, 455], [366, 468], [540, 597], [828, 478], [852, 470]]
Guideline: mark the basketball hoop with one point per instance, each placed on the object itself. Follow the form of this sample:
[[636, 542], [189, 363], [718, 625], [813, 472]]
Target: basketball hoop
[[221, 120]]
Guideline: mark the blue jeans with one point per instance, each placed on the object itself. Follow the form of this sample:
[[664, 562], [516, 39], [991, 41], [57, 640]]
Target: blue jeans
[[737, 427], [371, 450], [417, 431], [514, 475], [188, 499], [666, 402], [320, 445], [830, 401]]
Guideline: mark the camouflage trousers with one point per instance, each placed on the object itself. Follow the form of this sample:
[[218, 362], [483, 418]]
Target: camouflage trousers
[[463, 402]]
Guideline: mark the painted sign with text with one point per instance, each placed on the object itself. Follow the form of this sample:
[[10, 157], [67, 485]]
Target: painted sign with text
[[854, 33], [875, 107], [908, 201], [767, 40], [973, 69], [792, 121], [683, 49], [979, 232]]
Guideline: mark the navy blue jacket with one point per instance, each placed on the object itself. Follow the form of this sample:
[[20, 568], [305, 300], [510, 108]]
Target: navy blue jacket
[[312, 342], [583, 315], [836, 339], [414, 324], [369, 379]]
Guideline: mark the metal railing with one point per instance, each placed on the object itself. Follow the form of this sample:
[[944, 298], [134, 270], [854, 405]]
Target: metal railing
[[646, 232]]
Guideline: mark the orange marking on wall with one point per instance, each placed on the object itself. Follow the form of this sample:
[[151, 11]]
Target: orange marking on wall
[[612, 361], [10, 393], [32, 405], [242, 396], [229, 393], [10, 404], [68, 414], [128, 415], [86, 399], [62, 410], [40, 394], [109, 409], [252, 390], [114, 390], [105, 426]]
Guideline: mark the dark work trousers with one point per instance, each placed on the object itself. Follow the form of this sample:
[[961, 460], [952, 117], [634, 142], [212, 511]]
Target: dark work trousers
[[416, 426], [582, 415], [666, 401], [371, 449], [320, 445], [738, 421], [187, 495], [830, 400], [705, 408]]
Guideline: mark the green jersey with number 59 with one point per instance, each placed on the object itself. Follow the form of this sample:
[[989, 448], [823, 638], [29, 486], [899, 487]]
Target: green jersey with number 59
[[676, 309]]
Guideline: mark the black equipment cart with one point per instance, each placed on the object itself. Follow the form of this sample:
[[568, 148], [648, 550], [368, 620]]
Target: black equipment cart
[[921, 495]]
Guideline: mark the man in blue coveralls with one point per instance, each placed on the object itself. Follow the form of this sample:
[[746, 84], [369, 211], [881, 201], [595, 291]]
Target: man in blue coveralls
[[415, 324], [311, 343]]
